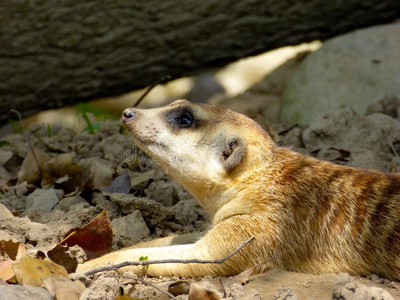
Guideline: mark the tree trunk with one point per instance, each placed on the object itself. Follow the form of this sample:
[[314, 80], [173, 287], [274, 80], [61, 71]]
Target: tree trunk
[[56, 53]]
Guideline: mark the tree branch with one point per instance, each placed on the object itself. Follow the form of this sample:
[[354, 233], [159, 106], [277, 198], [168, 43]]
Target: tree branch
[[57, 53], [167, 261]]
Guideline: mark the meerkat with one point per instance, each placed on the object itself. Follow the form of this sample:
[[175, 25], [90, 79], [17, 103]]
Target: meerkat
[[312, 216]]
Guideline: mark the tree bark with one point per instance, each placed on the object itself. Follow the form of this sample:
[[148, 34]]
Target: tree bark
[[56, 53]]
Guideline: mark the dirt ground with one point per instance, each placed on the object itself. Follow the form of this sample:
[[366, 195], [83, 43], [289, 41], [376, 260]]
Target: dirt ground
[[83, 174]]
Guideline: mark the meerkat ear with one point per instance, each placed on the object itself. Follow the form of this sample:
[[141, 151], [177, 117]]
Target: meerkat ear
[[233, 153]]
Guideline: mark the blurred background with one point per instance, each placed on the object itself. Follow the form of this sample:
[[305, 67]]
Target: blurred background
[[216, 86], [63, 60]]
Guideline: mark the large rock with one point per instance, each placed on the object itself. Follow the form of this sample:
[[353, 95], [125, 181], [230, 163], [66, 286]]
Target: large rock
[[359, 141], [355, 69]]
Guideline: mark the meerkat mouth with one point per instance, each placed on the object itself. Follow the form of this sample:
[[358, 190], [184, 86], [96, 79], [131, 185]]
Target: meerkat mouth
[[145, 141]]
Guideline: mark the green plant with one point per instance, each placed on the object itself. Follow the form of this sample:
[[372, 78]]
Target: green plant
[[144, 258], [84, 109], [144, 267], [4, 143], [91, 128], [122, 129], [50, 131], [17, 128]]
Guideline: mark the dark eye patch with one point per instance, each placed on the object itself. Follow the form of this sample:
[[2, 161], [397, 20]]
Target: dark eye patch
[[185, 120], [181, 117]]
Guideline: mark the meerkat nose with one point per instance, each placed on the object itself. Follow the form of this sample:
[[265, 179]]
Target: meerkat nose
[[128, 115]]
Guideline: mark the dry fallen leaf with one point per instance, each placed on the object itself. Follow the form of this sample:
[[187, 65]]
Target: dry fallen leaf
[[30, 171], [241, 278], [60, 256], [139, 180], [101, 173], [179, 288], [13, 164], [95, 238], [197, 292], [7, 272], [62, 170], [10, 248], [204, 288], [31, 271], [64, 288], [6, 179], [5, 156], [21, 252], [5, 213], [121, 184]]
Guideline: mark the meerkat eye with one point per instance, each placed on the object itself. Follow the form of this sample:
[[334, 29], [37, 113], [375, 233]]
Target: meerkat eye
[[185, 120]]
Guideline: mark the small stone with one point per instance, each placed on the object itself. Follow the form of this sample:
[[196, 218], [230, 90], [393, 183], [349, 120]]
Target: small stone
[[102, 288], [284, 292], [347, 288], [40, 234], [130, 229], [18, 292], [70, 203], [41, 200], [163, 192]]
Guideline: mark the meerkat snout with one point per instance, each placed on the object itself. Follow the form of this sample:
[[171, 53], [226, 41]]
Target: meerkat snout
[[128, 115]]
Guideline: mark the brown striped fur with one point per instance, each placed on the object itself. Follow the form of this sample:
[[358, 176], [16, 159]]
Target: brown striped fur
[[316, 216]]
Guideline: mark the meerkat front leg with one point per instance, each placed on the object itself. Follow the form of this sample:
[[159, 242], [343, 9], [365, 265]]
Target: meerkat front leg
[[218, 243], [183, 239]]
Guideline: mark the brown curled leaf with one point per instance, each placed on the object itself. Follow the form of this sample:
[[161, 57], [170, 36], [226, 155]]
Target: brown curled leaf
[[95, 238], [10, 248]]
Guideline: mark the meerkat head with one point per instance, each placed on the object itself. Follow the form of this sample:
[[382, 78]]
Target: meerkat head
[[197, 144]]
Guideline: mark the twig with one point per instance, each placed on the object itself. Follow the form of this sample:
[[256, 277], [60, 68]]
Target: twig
[[285, 131], [27, 139], [395, 153], [162, 80], [144, 282], [267, 261], [223, 288], [393, 148], [167, 261]]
